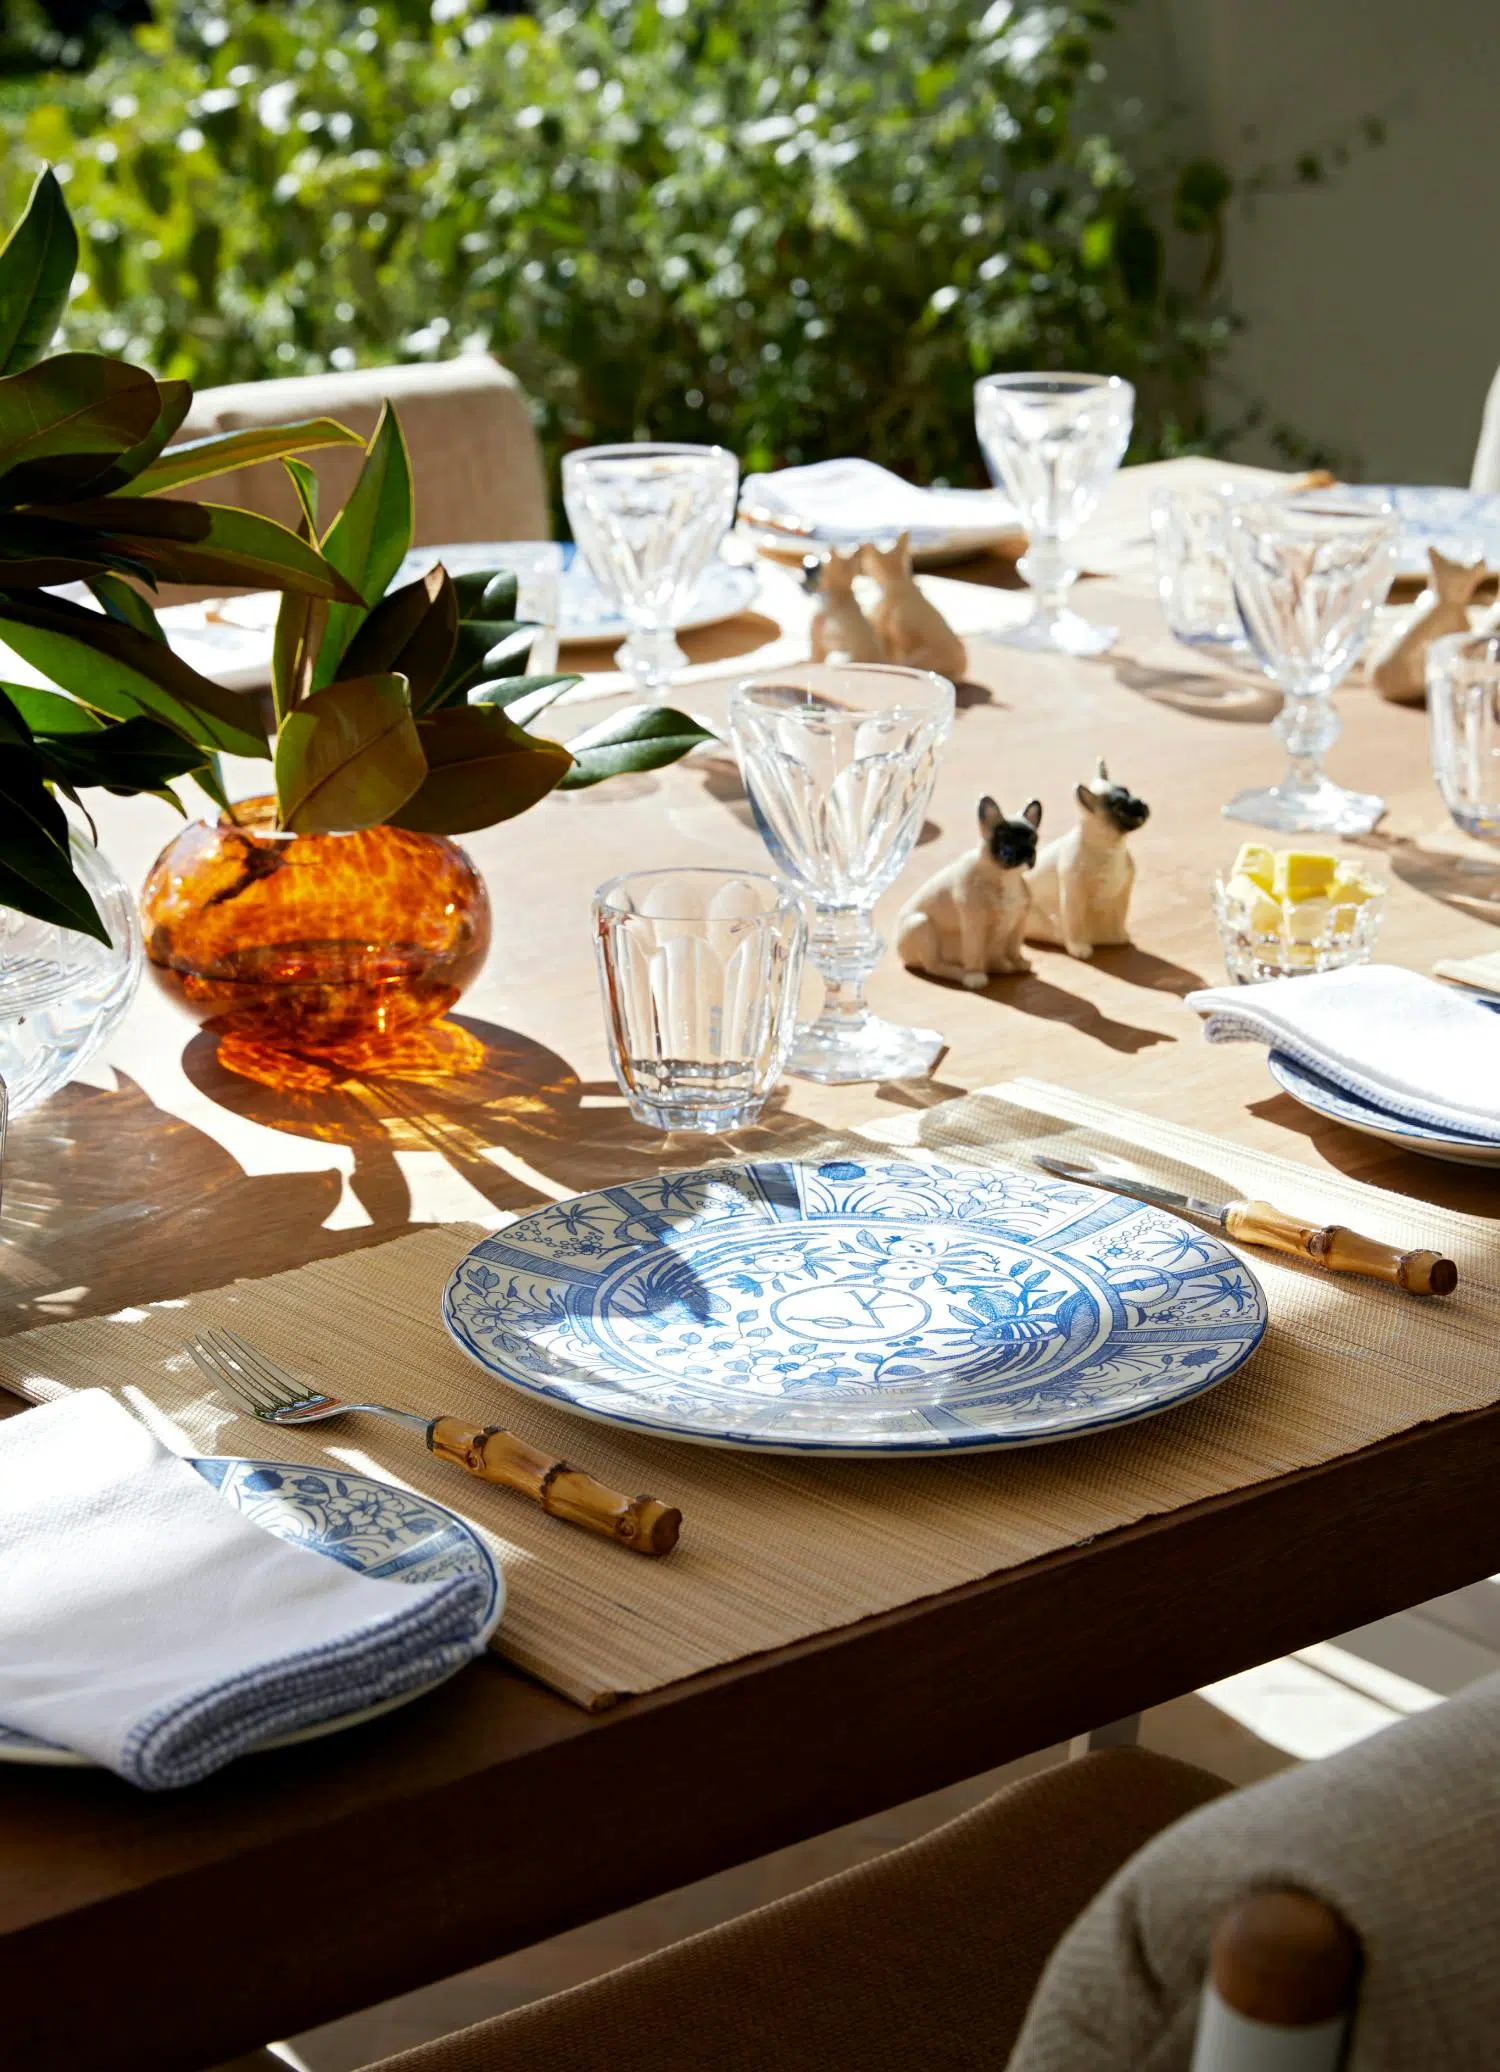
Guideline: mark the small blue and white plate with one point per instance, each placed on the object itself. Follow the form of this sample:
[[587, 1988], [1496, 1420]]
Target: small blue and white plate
[[1324, 1098], [372, 1527], [1464, 524], [856, 1308]]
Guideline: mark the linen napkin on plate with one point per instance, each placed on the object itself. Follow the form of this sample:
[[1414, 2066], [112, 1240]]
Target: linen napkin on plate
[[853, 500], [145, 1623], [1423, 1052]]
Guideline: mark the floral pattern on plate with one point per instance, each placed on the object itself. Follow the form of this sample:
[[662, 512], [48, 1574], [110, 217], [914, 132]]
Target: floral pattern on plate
[[856, 1307]]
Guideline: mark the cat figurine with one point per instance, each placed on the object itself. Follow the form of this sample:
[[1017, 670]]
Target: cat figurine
[[967, 921], [1399, 672], [840, 631], [1080, 888], [912, 629]]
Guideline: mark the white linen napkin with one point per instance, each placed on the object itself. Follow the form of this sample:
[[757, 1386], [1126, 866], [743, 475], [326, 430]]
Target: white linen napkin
[[851, 500], [1421, 1051], [145, 1623]]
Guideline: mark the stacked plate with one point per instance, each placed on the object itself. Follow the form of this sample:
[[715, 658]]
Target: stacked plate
[[1324, 1098]]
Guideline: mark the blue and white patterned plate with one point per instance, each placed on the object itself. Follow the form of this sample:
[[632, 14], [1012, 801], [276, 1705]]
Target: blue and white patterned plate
[[369, 1526], [856, 1308], [1464, 524], [1324, 1098]]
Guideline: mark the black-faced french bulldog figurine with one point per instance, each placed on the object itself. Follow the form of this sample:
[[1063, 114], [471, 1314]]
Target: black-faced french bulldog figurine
[[967, 921], [1080, 888]]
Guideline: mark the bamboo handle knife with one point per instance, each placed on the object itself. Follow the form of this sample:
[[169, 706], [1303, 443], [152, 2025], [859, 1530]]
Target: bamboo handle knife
[[637, 1522], [1339, 1249]]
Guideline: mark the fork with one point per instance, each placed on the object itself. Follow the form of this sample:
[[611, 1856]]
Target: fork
[[268, 1392]]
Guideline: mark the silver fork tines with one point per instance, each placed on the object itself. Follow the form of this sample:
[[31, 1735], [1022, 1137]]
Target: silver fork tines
[[269, 1392]]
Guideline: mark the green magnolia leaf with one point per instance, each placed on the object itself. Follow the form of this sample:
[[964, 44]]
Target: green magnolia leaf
[[198, 459], [207, 543], [481, 768], [483, 650], [523, 697], [63, 421], [49, 712], [486, 593], [37, 264], [137, 755], [647, 737], [127, 605], [369, 539], [176, 400], [412, 630], [304, 481], [36, 864], [37, 551], [118, 671], [348, 756]]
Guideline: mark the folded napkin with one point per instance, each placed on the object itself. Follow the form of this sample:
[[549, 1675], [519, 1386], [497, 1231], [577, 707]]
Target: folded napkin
[[145, 1623], [852, 500], [1480, 974], [1423, 1052]]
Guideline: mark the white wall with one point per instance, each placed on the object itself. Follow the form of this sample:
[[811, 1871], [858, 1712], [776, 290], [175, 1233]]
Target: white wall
[[1374, 303]]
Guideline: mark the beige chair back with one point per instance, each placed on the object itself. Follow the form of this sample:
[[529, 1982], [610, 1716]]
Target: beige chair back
[[476, 464]]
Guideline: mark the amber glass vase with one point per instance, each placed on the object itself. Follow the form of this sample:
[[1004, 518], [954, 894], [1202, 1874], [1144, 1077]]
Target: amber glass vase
[[335, 946]]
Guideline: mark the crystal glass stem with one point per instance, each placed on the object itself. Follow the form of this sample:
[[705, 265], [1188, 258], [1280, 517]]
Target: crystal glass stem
[[1050, 577], [653, 656], [1307, 727], [845, 947]]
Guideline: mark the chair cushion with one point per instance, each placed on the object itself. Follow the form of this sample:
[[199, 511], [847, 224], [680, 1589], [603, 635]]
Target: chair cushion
[[924, 1957], [1399, 1834]]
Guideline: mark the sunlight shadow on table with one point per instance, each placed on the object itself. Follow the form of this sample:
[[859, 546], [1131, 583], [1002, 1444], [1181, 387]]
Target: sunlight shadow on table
[[1038, 996], [1466, 881], [1380, 1165], [1144, 968], [1200, 693], [111, 1200]]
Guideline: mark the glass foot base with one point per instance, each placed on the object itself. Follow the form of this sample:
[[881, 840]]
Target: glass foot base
[[1318, 809], [653, 660], [1067, 634], [872, 1049], [704, 1118]]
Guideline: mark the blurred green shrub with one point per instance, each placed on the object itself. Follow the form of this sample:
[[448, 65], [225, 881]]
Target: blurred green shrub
[[798, 231]]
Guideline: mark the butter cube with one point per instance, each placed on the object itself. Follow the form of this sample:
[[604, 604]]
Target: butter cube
[[1304, 874], [1260, 914], [1306, 919], [1352, 885], [1256, 862]]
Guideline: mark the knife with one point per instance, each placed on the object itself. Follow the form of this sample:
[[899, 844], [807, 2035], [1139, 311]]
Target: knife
[[1257, 1223]]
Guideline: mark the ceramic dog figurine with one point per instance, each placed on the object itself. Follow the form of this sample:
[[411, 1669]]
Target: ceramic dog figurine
[[1399, 673], [912, 629], [1080, 888], [967, 921], [840, 631]]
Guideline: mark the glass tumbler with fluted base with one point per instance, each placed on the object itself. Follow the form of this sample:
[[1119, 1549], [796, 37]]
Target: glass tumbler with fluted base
[[1309, 573], [838, 762], [648, 518], [1052, 441], [1463, 729], [699, 970]]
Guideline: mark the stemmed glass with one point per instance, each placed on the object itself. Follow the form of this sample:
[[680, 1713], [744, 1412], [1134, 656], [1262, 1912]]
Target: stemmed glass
[[1309, 572], [838, 762], [1051, 442], [648, 519]]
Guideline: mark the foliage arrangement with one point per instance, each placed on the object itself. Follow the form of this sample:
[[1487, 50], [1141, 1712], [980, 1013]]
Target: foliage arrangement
[[405, 706], [799, 230], [82, 446]]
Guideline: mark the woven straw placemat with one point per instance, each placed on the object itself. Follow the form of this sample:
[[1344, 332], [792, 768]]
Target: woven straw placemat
[[774, 1550]]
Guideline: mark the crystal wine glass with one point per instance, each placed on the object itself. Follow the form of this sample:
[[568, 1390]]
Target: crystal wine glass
[[1463, 729], [839, 761], [648, 519], [1309, 572], [1052, 441]]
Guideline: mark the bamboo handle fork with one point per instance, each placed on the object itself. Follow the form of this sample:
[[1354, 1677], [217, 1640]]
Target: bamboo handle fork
[[270, 1393]]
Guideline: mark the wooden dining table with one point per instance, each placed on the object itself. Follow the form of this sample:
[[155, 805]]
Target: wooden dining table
[[173, 1931]]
